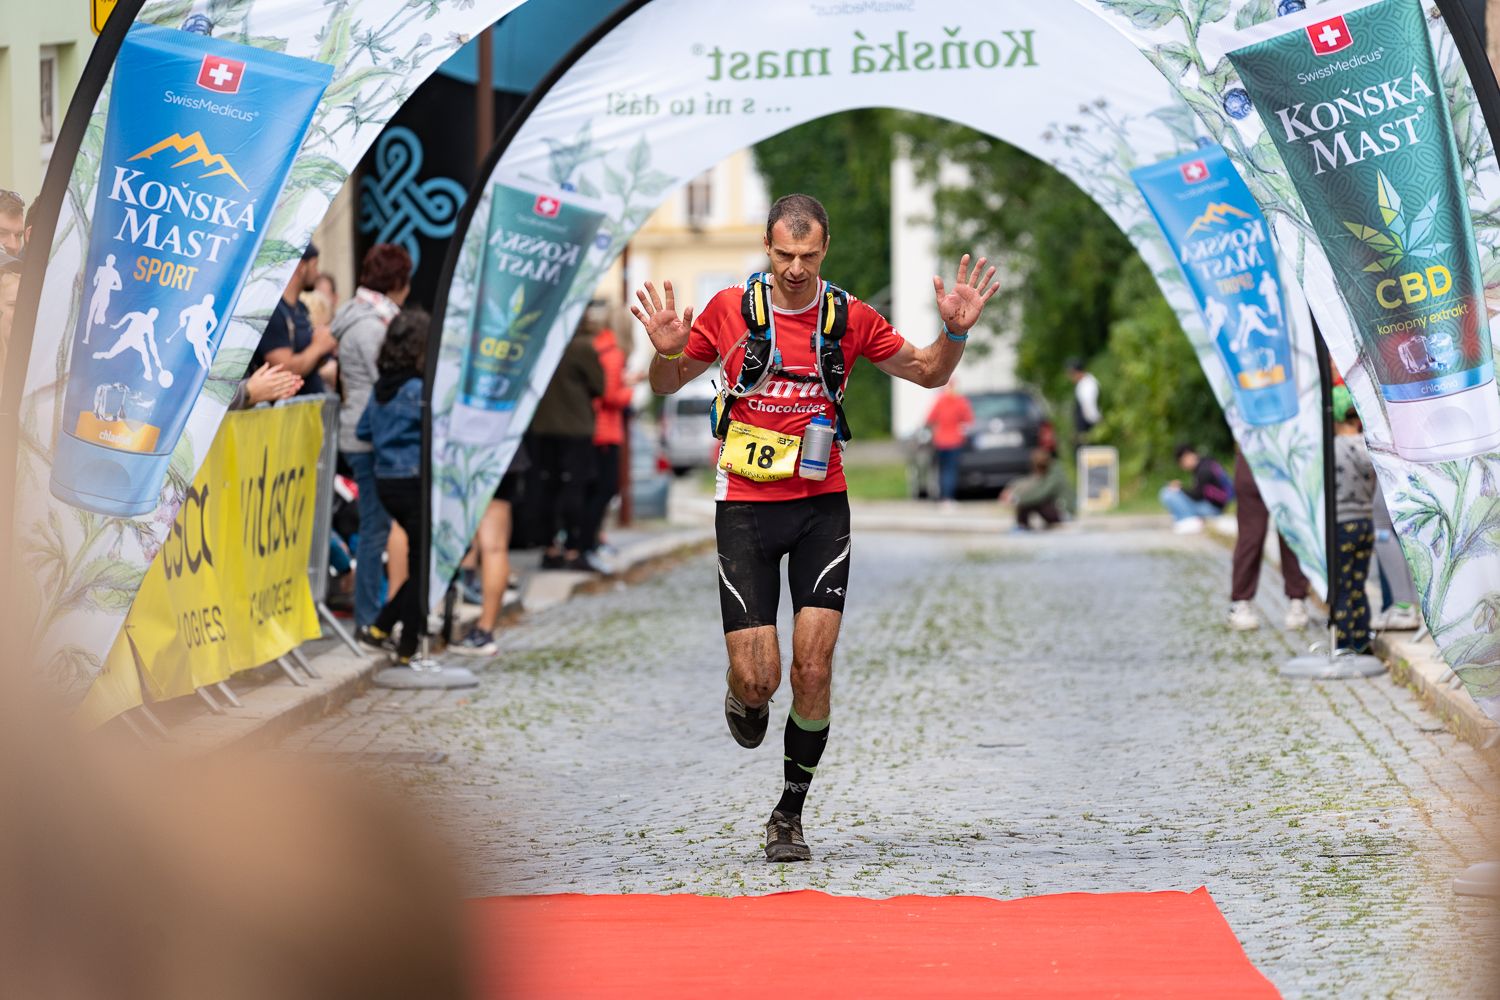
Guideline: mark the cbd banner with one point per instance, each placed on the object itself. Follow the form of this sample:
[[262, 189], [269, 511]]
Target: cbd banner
[[1355, 125], [535, 241], [229, 589]]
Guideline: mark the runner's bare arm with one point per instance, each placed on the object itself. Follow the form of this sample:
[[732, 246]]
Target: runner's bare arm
[[670, 368], [932, 366]]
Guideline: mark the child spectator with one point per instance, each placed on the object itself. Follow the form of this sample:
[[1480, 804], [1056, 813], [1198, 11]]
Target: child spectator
[[392, 423], [1354, 494], [1206, 496]]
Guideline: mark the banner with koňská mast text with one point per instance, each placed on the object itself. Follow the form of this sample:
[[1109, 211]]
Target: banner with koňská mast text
[[198, 142], [536, 238], [1223, 245], [225, 94], [624, 132], [1348, 252]]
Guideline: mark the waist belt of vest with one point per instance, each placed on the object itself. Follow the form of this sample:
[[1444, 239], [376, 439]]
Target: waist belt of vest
[[762, 358]]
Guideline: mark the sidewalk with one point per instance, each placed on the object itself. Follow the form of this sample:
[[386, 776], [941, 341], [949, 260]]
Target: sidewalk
[[1414, 661], [272, 706]]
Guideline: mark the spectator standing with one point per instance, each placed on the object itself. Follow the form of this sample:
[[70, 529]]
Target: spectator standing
[[609, 437], [1354, 493], [360, 328], [1086, 412], [1253, 521], [290, 338], [1206, 496], [492, 546], [562, 435], [1042, 494], [392, 424], [950, 420], [13, 228]]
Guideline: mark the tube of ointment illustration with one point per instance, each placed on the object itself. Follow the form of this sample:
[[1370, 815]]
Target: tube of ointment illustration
[[1223, 245], [200, 137], [1351, 95], [535, 244]]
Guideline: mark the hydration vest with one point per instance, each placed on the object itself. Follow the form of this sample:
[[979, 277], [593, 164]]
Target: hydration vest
[[762, 359]]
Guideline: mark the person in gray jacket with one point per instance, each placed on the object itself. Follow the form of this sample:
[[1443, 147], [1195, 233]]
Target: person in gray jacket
[[360, 327]]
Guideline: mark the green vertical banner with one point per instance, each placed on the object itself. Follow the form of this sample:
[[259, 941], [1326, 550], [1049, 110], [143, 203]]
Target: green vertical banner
[[525, 308]]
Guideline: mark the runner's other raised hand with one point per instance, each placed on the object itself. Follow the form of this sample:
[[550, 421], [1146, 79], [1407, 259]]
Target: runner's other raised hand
[[960, 308], [667, 330]]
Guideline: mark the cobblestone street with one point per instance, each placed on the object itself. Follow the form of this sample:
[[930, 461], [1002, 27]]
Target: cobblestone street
[[1011, 717]]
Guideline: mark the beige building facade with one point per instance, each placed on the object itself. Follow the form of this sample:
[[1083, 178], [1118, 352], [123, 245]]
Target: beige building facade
[[44, 45]]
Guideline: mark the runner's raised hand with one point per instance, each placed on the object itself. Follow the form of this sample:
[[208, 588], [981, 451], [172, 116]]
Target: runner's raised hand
[[960, 308], [667, 330]]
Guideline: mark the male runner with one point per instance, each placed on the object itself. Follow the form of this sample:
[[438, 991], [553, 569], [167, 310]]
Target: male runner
[[779, 513]]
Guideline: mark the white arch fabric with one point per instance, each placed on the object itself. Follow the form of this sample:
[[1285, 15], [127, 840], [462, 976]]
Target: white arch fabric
[[85, 568], [681, 84], [1448, 514]]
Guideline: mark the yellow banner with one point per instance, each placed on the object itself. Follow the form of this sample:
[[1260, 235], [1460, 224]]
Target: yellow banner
[[228, 590]]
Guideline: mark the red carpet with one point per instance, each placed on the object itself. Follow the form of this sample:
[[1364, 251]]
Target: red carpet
[[1148, 945]]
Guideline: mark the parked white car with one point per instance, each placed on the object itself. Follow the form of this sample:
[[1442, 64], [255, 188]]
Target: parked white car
[[685, 432]]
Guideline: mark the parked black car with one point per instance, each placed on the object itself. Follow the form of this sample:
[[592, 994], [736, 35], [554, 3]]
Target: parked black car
[[1008, 426]]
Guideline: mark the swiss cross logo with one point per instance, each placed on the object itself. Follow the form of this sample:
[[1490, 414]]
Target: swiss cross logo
[[1195, 171], [547, 207], [221, 75], [1329, 36]]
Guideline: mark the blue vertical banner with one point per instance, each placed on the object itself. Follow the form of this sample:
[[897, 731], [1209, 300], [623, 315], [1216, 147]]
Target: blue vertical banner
[[1223, 245], [200, 136]]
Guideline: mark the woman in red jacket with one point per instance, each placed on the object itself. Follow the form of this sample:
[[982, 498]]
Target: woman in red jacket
[[609, 436]]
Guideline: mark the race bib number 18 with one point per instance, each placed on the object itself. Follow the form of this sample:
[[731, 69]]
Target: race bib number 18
[[758, 454]]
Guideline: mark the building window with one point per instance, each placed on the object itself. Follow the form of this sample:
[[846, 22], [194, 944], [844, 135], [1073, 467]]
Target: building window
[[700, 199], [49, 95]]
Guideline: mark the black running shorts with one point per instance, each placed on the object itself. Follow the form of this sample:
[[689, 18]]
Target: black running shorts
[[813, 533]]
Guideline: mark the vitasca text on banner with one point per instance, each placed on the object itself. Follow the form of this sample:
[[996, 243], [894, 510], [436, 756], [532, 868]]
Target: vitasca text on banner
[[536, 242], [200, 136], [1350, 93], [1223, 244]]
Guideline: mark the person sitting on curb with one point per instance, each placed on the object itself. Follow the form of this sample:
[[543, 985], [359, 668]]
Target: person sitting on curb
[[1206, 496], [1044, 493]]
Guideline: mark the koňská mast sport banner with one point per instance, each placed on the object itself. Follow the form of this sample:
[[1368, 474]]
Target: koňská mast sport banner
[[1223, 244], [199, 140], [107, 454]]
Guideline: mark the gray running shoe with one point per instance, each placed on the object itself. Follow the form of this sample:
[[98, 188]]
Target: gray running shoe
[[784, 841], [747, 725]]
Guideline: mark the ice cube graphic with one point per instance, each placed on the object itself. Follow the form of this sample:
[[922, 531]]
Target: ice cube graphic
[[138, 410], [109, 401]]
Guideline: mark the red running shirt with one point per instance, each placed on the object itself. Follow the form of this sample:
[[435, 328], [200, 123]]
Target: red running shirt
[[781, 405]]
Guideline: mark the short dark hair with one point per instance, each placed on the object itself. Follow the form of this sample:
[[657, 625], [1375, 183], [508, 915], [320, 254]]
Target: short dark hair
[[405, 347], [386, 267], [1184, 449], [1074, 364], [311, 251], [11, 203], [799, 212]]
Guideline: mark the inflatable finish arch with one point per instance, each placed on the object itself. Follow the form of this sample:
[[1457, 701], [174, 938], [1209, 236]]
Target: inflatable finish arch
[[1014, 70], [675, 86]]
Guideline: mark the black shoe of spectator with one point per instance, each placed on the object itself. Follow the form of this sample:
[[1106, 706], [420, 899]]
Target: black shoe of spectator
[[553, 560]]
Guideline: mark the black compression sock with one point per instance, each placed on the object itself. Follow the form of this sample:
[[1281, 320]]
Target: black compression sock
[[805, 740]]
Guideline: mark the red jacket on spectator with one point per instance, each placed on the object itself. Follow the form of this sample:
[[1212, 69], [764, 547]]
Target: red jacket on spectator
[[609, 409]]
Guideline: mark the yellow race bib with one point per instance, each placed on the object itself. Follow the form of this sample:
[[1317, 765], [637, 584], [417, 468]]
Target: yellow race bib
[[758, 454]]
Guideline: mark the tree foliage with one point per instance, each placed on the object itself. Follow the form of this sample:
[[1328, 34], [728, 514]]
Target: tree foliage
[[1077, 284]]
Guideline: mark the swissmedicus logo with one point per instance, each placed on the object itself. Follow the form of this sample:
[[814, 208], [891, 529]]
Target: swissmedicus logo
[[1329, 36]]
